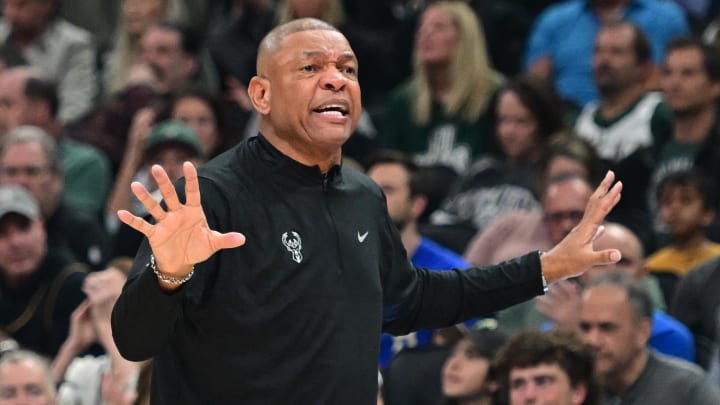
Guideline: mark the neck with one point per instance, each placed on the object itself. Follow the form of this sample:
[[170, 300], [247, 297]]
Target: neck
[[410, 238], [694, 126], [323, 156], [629, 374], [439, 79], [691, 242], [613, 105]]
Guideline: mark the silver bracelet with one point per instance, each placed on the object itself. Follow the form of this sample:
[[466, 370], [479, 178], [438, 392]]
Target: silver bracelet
[[542, 275], [165, 277]]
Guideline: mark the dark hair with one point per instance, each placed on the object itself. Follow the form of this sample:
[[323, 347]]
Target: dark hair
[[539, 97], [212, 101], [43, 89], [392, 156], [568, 144], [191, 42], [694, 178], [640, 42], [566, 349], [710, 54], [637, 292]]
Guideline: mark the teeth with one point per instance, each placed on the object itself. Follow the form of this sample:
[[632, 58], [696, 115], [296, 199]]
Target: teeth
[[332, 112]]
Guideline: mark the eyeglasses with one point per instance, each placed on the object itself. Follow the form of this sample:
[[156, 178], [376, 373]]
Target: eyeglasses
[[29, 171], [558, 216]]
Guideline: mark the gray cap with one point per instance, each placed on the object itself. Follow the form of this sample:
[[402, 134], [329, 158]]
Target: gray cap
[[16, 199]]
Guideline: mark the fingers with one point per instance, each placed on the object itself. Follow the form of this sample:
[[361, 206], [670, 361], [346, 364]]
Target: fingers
[[607, 256], [135, 222], [192, 186], [166, 188], [147, 200]]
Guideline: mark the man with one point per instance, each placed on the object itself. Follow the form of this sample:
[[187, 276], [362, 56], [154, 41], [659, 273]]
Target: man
[[25, 378], [295, 315], [560, 44], [563, 201], [626, 124], [402, 183], [39, 286], [562, 303], [616, 319], [29, 158], [29, 99], [547, 368], [61, 50]]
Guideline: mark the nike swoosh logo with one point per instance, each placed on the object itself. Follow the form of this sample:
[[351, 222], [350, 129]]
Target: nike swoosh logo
[[361, 238]]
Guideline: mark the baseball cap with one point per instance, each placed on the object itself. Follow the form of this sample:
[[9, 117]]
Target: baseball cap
[[169, 132], [17, 200]]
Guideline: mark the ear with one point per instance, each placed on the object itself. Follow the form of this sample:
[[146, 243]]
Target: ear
[[419, 203], [707, 217], [644, 329], [259, 91], [578, 394], [715, 89]]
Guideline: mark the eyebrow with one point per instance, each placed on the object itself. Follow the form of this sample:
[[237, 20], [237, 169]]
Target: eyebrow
[[343, 57]]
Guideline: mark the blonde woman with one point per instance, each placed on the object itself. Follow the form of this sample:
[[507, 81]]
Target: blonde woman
[[439, 115]]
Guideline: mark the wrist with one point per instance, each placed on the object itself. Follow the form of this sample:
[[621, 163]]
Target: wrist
[[168, 279]]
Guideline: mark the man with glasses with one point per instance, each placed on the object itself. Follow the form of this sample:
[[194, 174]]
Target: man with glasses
[[563, 201]]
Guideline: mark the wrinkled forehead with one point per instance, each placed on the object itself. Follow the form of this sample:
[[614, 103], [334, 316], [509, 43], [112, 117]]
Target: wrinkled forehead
[[303, 45]]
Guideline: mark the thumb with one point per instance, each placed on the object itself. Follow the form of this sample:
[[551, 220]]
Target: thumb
[[607, 256], [229, 240]]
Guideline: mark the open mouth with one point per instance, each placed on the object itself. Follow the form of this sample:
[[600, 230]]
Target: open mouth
[[333, 109]]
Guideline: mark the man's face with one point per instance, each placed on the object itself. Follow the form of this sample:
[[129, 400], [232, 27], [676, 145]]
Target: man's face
[[24, 383], [614, 64], [27, 16], [13, 103], [464, 372], [544, 384], [26, 164], [313, 91], [162, 51], [608, 324], [394, 180], [632, 262], [22, 246], [685, 83], [563, 207]]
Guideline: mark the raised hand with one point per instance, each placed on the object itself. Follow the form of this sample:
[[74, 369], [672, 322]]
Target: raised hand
[[575, 253], [561, 304], [180, 237]]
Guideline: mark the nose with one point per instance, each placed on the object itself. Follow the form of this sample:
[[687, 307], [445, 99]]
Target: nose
[[332, 80]]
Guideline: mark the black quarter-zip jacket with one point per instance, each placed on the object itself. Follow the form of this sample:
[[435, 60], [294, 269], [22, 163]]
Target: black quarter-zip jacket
[[294, 316]]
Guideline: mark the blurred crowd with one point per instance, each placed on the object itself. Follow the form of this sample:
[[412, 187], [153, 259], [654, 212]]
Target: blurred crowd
[[487, 124]]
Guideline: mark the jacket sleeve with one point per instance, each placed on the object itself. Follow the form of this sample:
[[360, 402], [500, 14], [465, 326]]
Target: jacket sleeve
[[416, 298], [144, 316]]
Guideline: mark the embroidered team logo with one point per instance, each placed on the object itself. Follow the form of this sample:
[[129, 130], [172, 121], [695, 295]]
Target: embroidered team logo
[[293, 244]]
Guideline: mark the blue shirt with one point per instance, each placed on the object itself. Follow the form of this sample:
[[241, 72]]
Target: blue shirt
[[669, 336], [566, 33], [431, 256]]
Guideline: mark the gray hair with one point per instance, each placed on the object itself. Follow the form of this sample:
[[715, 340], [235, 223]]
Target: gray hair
[[31, 133], [637, 293], [19, 356]]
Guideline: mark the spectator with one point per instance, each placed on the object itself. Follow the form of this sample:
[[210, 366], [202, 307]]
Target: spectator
[[687, 202], [25, 379], [405, 194], [627, 124], [29, 99], [616, 319], [467, 376], [562, 206], [562, 302], [560, 45], [30, 158], [441, 114], [523, 114], [39, 286], [554, 367], [61, 50]]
